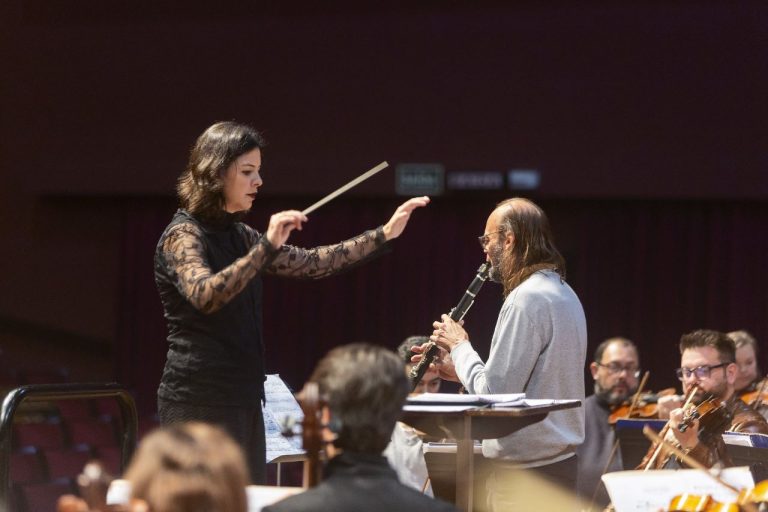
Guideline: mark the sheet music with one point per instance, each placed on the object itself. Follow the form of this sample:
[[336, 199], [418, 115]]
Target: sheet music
[[281, 407], [437, 408], [456, 399]]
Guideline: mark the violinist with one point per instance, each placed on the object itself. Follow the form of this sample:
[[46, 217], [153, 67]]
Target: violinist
[[749, 382], [707, 363], [405, 452], [615, 369]]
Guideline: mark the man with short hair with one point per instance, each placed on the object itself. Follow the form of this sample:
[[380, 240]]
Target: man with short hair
[[615, 369], [363, 389], [708, 362], [538, 348], [430, 382]]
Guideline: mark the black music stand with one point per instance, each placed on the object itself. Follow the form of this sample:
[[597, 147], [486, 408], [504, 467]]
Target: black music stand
[[632, 442]]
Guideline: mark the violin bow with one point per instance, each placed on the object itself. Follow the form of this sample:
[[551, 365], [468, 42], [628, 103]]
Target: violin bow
[[669, 447], [636, 397], [664, 431]]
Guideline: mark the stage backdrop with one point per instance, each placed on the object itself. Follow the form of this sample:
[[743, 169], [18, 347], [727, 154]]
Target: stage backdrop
[[648, 270]]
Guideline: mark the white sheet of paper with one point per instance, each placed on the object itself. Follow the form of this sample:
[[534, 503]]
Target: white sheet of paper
[[635, 491], [455, 398], [437, 408], [281, 404]]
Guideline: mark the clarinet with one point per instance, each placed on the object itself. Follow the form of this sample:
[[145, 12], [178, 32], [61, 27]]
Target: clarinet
[[456, 314]]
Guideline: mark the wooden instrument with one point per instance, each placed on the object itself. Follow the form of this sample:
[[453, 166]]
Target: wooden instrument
[[311, 432], [646, 405]]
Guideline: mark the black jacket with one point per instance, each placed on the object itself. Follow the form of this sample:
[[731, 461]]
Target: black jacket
[[353, 482]]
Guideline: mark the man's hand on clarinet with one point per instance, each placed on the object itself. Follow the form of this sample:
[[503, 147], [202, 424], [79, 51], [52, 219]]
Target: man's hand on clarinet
[[396, 225], [448, 333]]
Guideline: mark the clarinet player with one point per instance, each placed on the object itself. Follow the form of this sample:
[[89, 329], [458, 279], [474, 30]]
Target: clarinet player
[[538, 348]]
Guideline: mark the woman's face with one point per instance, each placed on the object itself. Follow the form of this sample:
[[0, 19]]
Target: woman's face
[[241, 181], [747, 363]]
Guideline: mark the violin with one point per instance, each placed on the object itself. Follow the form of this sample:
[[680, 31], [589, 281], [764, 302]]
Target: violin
[[311, 432], [714, 419], [748, 500], [647, 406], [757, 396], [697, 503]]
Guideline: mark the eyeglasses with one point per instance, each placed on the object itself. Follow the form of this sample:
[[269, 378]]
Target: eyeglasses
[[701, 372], [616, 368], [487, 238]]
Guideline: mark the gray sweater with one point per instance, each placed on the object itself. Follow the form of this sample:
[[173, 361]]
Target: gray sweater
[[539, 347]]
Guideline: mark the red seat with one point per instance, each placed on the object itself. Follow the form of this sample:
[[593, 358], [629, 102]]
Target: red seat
[[27, 466], [108, 407], [92, 432], [75, 409], [41, 497], [66, 463], [41, 435]]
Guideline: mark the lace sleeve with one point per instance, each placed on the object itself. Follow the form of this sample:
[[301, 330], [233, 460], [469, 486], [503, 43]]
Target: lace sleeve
[[184, 254], [326, 260]]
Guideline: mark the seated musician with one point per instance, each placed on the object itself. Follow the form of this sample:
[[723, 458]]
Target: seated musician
[[615, 370], [430, 382], [707, 362], [749, 381], [405, 453], [363, 388]]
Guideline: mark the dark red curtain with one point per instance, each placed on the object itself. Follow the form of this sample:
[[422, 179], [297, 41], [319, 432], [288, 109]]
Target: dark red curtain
[[648, 270]]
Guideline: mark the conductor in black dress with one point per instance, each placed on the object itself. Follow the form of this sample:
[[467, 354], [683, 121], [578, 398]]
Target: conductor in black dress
[[207, 269]]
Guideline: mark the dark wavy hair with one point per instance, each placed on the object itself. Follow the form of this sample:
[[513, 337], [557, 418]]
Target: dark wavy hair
[[724, 345], [365, 387], [200, 186], [404, 349], [534, 247]]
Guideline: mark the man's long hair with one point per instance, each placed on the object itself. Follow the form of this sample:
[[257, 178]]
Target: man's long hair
[[534, 246]]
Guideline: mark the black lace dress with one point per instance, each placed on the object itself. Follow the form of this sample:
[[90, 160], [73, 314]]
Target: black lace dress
[[208, 277]]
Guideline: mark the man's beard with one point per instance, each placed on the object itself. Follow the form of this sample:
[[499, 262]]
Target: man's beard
[[719, 391], [496, 255], [607, 395]]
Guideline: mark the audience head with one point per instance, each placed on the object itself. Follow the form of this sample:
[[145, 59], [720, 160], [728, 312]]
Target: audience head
[[189, 467], [615, 368], [746, 359], [364, 387], [518, 241], [708, 360], [430, 382]]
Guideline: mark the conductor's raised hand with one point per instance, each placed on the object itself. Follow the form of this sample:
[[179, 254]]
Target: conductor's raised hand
[[396, 225], [281, 224]]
